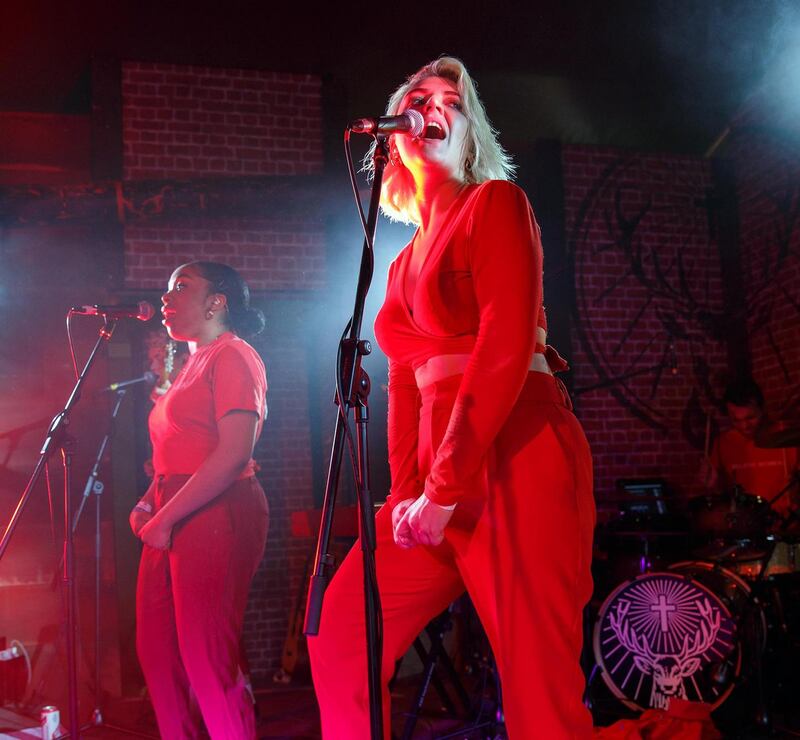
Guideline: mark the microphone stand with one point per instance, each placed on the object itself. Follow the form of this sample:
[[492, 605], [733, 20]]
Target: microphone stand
[[59, 437], [96, 486], [353, 392]]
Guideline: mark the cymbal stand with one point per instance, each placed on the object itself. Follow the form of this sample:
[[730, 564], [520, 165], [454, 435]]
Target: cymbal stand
[[755, 600]]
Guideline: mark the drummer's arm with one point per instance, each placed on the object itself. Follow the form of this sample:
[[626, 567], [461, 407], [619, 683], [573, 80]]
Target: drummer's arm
[[711, 472]]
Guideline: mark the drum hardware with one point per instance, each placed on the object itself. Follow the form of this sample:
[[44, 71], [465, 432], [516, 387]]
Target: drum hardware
[[637, 542], [733, 553], [483, 709], [644, 529], [737, 637], [432, 658], [733, 515], [722, 671], [794, 480], [647, 545], [776, 557]]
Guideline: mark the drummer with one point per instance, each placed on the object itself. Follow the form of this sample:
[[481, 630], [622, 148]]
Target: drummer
[[736, 459]]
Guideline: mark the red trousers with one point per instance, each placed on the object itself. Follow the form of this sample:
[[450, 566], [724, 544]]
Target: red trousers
[[190, 603], [522, 549]]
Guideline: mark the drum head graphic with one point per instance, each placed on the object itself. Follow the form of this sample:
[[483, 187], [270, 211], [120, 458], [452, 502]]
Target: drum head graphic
[[664, 635]]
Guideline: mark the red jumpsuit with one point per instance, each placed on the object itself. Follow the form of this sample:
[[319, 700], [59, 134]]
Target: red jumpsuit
[[497, 439], [190, 599]]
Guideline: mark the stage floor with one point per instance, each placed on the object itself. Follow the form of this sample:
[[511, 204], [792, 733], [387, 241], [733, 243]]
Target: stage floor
[[283, 712], [290, 712]]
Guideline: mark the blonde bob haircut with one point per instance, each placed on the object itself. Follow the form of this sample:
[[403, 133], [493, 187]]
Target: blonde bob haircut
[[483, 157]]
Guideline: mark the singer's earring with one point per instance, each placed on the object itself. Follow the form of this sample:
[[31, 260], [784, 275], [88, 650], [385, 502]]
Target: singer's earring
[[394, 156], [209, 314]]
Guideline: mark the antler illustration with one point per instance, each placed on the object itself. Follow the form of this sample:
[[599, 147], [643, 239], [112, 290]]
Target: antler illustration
[[705, 637], [627, 635]]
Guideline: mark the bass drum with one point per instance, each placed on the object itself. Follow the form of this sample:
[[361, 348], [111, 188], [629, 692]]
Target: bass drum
[[685, 632]]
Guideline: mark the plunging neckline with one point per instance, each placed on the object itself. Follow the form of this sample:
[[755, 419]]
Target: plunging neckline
[[434, 247]]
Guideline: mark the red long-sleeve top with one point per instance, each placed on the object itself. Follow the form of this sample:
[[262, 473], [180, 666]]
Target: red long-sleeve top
[[479, 292]]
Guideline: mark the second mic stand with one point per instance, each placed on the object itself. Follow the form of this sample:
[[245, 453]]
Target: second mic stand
[[352, 392], [59, 437], [96, 486]]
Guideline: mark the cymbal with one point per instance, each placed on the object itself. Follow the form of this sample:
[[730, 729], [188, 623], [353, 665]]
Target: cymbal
[[777, 434]]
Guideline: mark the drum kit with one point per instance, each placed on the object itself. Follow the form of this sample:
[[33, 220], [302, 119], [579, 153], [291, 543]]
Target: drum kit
[[709, 609]]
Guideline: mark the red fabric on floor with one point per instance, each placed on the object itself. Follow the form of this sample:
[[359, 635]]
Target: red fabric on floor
[[684, 720]]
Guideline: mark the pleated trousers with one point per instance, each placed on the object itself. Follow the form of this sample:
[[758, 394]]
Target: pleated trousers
[[521, 546], [190, 603]]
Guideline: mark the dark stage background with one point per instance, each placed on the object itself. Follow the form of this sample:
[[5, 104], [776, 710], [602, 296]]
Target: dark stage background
[[133, 139]]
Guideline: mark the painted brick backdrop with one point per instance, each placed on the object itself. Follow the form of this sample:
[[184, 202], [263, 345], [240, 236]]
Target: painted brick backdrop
[[648, 298], [286, 254], [768, 180], [182, 123], [284, 454]]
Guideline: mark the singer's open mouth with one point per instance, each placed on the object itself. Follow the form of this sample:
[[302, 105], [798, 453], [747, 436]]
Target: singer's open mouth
[[433, 131]]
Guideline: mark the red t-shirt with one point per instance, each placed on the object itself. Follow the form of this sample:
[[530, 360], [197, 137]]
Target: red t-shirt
[[760, 471], [226, 375], [479, 292]]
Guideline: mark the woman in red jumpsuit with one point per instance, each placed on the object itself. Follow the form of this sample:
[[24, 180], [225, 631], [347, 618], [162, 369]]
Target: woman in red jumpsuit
[[491, 473], [204, 519]]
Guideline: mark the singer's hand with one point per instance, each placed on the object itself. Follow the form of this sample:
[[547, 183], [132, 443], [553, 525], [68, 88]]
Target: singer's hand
[[403, 539], [422, 523], [138, 519], [156, 534]]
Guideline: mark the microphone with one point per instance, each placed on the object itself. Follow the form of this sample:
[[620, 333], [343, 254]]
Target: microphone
[[148, 377], [141, 310], [410, 122]]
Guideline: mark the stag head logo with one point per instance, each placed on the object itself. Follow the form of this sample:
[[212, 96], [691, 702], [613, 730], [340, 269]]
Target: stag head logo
[[668, 669], [656, 637]]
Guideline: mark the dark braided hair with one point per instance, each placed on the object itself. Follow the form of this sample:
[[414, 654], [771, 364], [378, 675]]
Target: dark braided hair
[[241, 318]]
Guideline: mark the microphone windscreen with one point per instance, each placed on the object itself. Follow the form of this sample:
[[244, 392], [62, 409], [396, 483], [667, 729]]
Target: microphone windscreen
[[417, 122], [146, 311]]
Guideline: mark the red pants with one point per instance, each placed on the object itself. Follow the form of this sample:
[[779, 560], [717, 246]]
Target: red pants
[[190, 603], [522, 549]]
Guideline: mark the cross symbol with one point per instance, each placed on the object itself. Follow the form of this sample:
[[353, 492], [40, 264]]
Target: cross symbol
[[663, 608]]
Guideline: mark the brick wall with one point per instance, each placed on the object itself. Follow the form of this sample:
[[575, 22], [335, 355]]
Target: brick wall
[[192, 122], [768, 179], [181, 121], [284, 454], [648, 299], [271, 254]]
